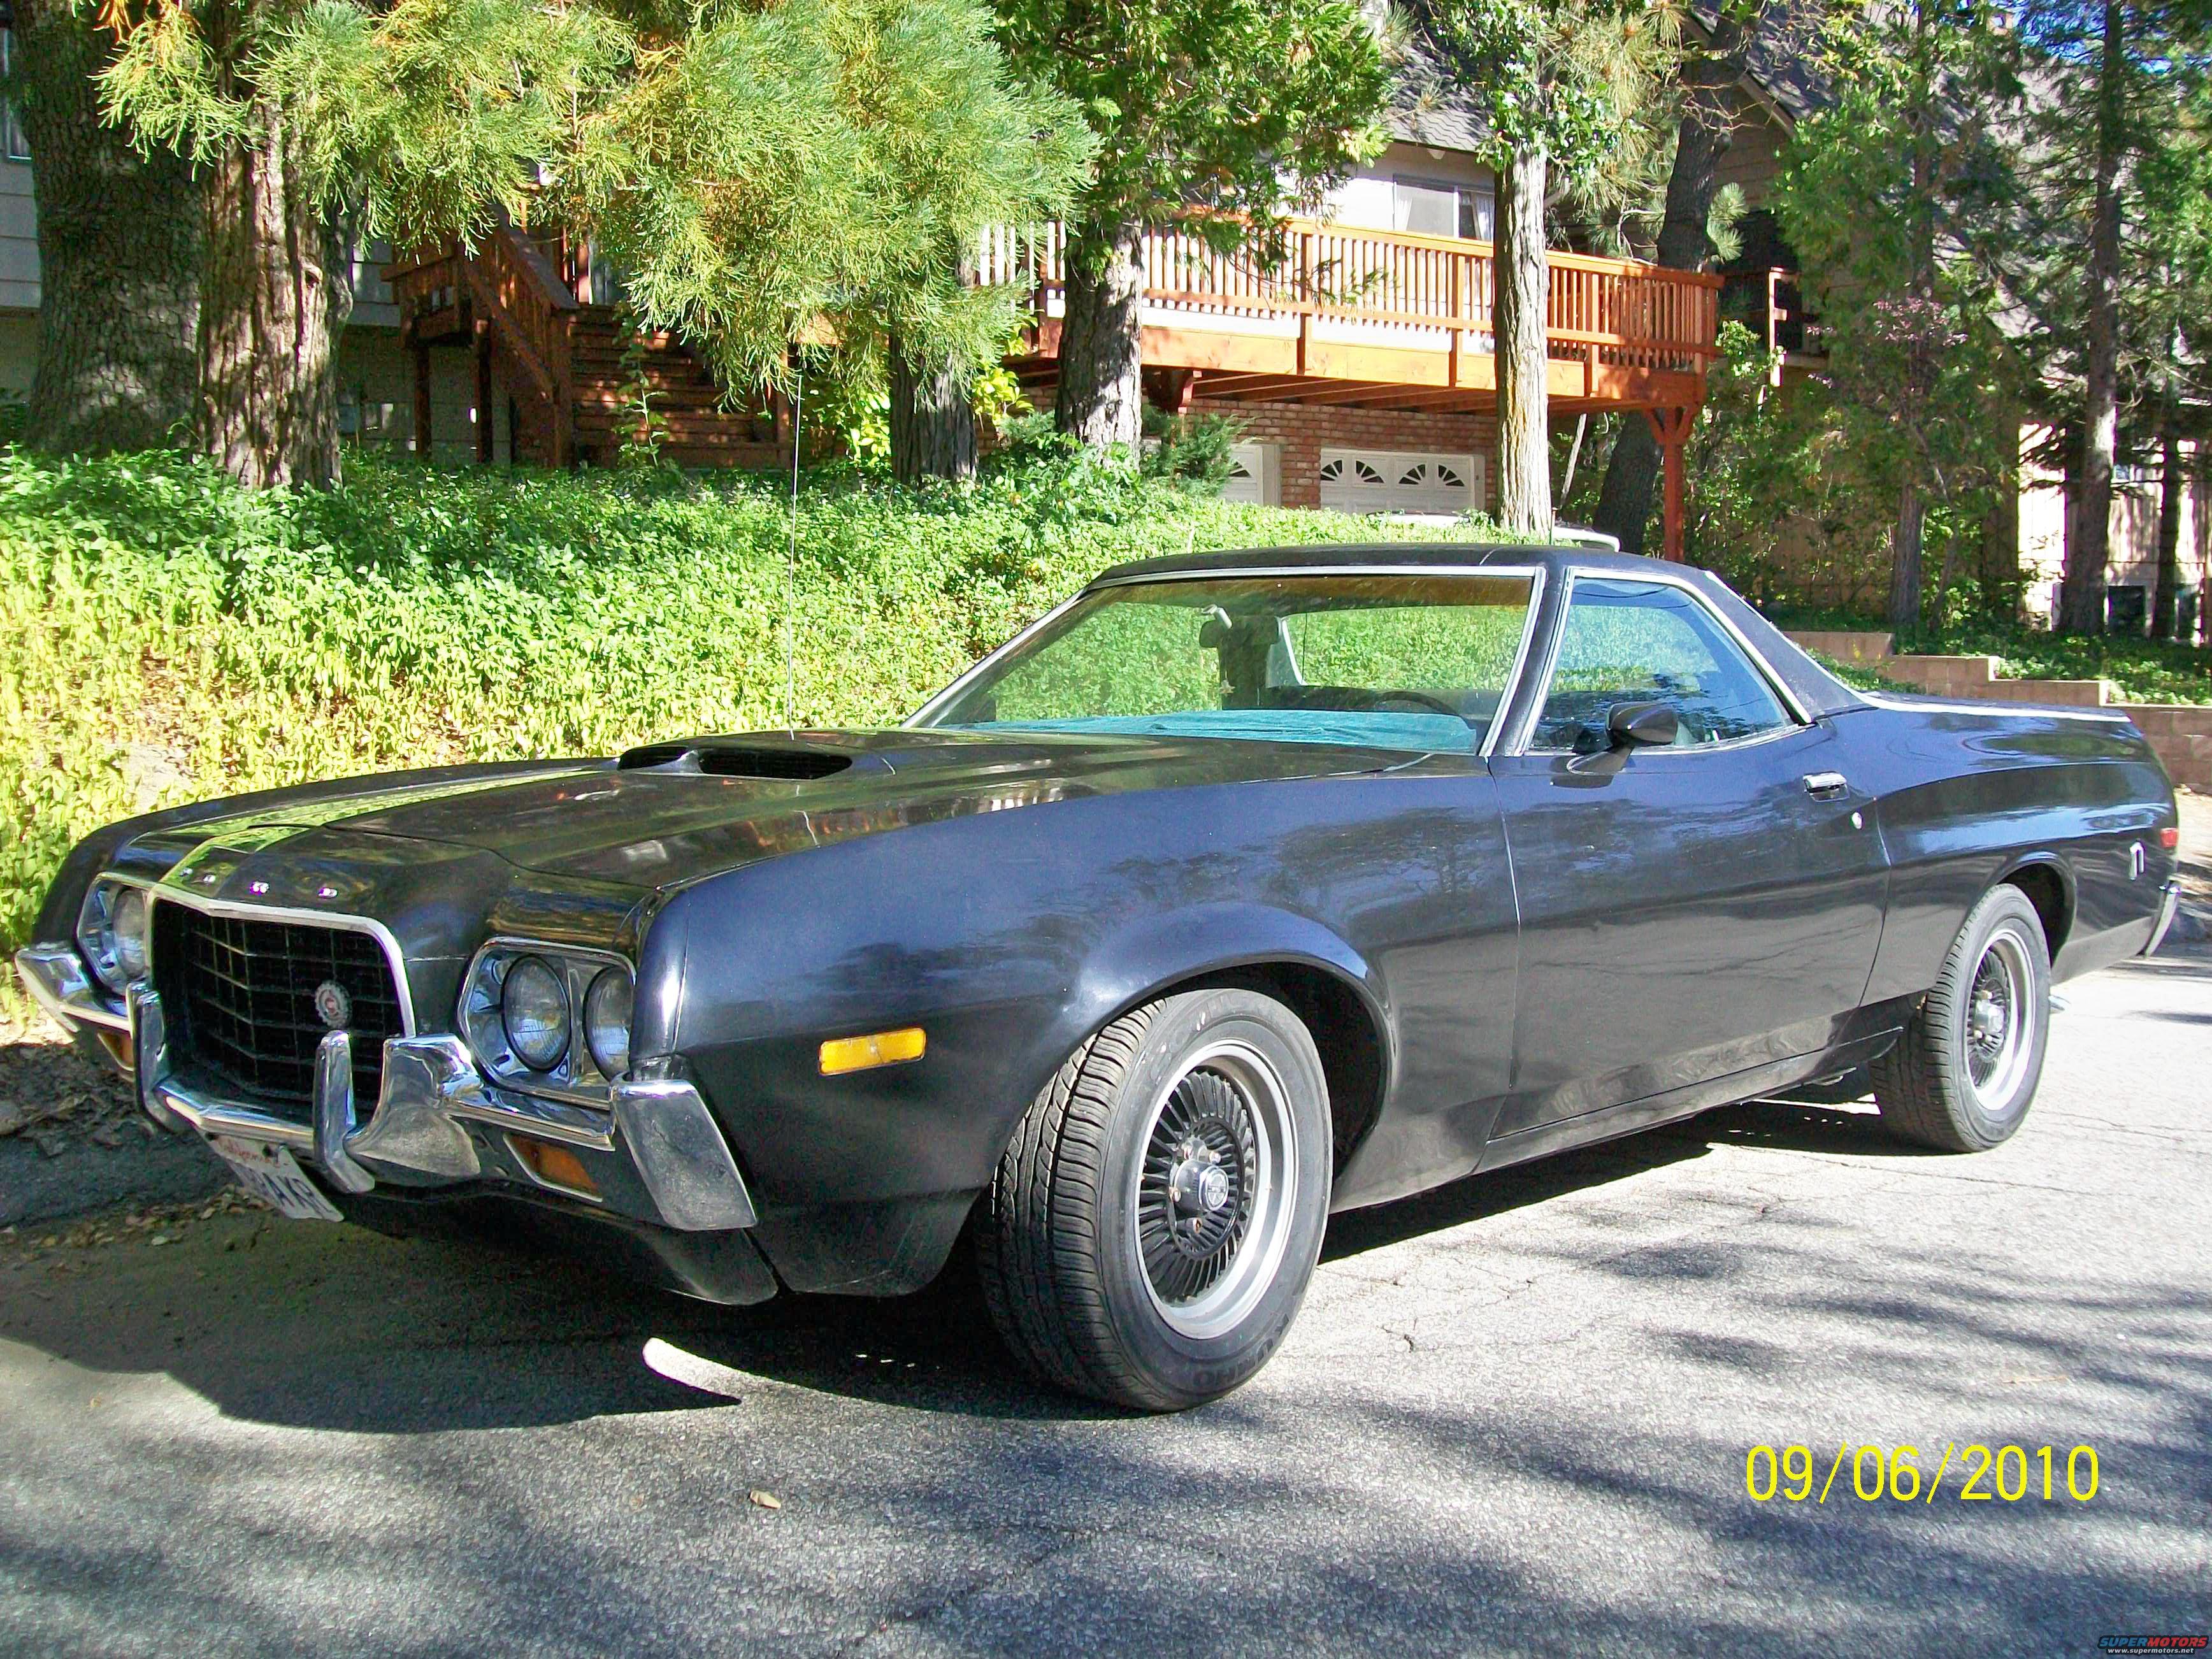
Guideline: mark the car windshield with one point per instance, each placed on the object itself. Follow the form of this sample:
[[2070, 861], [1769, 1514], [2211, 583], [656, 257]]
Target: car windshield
[[1416, 661]]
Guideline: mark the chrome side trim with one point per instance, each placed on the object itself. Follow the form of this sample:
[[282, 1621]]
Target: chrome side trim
[[2037, 711], [60, 983], [685, 1161]]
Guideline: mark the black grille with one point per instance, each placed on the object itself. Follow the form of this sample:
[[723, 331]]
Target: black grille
[[239, 997]]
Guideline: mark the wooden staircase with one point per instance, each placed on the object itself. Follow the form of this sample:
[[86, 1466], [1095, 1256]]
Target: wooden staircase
[[581, 387]]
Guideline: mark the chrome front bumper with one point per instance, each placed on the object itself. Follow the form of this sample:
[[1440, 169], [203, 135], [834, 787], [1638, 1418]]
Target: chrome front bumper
[[431, 1089]]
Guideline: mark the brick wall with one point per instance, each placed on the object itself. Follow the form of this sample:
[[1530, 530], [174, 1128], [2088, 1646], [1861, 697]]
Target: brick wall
[[1301, 430]]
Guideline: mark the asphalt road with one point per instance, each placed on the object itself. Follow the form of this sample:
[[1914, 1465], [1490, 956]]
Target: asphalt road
[[1514, 1417]]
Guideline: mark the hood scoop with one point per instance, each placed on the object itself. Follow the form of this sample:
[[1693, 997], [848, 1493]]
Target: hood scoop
[[788, 764]]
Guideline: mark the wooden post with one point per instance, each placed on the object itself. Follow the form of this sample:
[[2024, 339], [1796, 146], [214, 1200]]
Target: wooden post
[[483, 391], [422, 400], [564, 428], [1305, 297], [1671, 426]]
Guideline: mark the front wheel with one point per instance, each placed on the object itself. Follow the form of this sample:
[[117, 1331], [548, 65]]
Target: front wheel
[[1152, 1225], [1961, 1077]]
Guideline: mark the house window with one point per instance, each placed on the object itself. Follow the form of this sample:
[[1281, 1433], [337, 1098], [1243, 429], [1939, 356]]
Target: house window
[[18, 148], [1433, 208]]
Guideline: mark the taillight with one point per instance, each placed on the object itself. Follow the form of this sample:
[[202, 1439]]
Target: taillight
[[2170, 837]]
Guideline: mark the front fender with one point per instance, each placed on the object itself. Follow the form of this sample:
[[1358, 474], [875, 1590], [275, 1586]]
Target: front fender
[[1151, 954]]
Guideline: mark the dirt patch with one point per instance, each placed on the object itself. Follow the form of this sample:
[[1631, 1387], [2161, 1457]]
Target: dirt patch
[[53, 1096], [153, 1226]]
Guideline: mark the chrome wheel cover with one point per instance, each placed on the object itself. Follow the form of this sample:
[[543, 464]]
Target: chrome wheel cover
[[1213, 1196], [1998, 1023]]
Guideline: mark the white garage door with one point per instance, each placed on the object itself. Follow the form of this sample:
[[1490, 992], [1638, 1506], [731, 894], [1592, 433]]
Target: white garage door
[[1252, 471], [1400, 481]]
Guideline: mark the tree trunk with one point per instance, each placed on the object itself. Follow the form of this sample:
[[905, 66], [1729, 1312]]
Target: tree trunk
[[2089, 551], [1101, 396], [2165, 605], [1524, 437], [932, 421], [2000, 577], [1908, 534], [1632, 477], [119, 255], [271, 307], [1904, 554]]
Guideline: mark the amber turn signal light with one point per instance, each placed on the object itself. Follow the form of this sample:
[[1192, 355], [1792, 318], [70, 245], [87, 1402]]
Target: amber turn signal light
[[858, 1054], [555, 1166]]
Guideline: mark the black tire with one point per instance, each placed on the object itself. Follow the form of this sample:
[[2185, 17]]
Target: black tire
[[1225, 1075], [1953, 1082]]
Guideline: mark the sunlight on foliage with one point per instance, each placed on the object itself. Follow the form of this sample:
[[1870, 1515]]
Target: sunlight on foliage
[[166, 636]]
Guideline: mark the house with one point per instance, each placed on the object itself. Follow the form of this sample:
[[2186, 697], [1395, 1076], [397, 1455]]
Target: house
[[1360, 363]]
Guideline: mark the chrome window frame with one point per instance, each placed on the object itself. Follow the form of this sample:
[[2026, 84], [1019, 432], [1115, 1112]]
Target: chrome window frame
[[160, 892], [1790, 702], [1536, 574]]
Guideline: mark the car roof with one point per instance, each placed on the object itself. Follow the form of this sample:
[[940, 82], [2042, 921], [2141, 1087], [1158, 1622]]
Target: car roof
[[1411, 556]]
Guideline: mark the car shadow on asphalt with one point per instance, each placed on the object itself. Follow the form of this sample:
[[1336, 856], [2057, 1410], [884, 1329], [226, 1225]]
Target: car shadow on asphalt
[[340, 1327]]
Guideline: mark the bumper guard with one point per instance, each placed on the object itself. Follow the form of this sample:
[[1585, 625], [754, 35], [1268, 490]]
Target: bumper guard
[[431, 1087]]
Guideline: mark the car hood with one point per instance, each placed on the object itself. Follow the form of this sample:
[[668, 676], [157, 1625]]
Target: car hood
[[677, 812]]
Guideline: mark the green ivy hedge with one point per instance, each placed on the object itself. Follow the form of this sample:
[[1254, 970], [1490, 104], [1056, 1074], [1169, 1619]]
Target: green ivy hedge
[[165, 636]]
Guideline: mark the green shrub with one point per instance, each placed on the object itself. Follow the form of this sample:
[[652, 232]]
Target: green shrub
[[165, 636]]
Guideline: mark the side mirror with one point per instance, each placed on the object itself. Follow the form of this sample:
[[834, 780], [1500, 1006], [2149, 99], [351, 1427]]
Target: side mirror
[[1630, 725], [1643, 726]]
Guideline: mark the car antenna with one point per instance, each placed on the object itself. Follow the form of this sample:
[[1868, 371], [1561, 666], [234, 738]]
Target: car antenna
[[791, 566]]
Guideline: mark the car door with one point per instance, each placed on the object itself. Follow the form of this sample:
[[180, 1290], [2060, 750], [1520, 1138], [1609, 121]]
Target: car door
[[1686, 912]]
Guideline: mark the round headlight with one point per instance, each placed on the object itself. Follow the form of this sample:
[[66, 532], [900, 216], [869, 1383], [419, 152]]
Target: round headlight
[[606, 1021], [129, 929], [111, 931], [534, 1008]]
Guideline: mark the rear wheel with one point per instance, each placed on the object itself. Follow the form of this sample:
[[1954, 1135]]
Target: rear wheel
[[1151, 1227], [1962, 1076]]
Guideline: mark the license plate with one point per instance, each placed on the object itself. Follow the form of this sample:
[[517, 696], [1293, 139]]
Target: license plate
[[273, 1175]]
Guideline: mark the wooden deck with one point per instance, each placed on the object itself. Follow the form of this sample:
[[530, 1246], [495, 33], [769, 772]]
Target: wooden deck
[[1384, 319]]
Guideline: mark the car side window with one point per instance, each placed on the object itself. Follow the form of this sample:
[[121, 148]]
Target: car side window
[[1628, 641]]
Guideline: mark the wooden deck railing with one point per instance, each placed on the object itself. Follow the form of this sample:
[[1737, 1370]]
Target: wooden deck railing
[[514, 288], [1608, 311]]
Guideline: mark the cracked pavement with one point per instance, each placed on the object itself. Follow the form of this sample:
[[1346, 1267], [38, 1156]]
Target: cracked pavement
[[1514, 1417]]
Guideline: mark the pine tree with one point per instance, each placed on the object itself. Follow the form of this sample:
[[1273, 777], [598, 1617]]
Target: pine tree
[[758, 172], [1209, 114], [1705, 134], [2113, 260], [1558, 80], [1897, 195]]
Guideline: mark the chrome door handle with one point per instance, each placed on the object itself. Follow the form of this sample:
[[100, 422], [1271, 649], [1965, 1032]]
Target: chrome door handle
[[1825, 785]]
